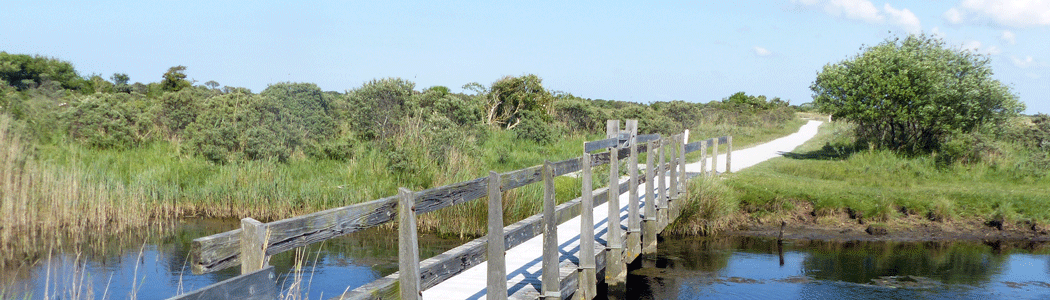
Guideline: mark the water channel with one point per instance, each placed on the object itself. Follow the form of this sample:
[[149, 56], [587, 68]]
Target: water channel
[[683, 268]]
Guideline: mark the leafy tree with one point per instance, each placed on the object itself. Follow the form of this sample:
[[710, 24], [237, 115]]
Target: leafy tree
[[510, 97], [212, 84], [120, 82], [912, 94], [23, 72], [175, 79]]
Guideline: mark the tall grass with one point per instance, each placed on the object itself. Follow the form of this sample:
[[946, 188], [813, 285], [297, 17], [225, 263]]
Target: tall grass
[[41, 201]]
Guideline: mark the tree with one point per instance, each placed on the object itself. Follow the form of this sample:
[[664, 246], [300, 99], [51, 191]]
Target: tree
[[175, 79], [120, 82], [212, 84], [510, 97], [912, 94]]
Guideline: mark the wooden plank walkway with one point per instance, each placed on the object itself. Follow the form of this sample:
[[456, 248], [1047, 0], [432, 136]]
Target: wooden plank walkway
[[526, 246]]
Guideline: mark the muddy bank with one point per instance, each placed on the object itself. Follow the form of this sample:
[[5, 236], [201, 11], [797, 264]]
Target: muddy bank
[[804, 224]]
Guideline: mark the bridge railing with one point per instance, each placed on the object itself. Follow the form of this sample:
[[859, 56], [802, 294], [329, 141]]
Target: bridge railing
[[253, 244]]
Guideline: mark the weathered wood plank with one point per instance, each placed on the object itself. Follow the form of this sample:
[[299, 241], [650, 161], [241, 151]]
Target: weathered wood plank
[[253, 240], [634, 221], [220, 251], [587, 280], [645, 138], [551, 287], [600, 144], [693, 147], [408, 246], [723, 139], [729, 154], [495, 251], [649, 238], [260, 284], [616, 272]]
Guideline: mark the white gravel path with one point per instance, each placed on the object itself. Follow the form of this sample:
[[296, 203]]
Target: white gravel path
[[745, 158]]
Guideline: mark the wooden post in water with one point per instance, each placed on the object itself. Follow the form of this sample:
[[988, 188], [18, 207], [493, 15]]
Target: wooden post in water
[[729, 154], [408, 246], [588, 282], [615, 270], [253, 246], [714, 157], [551, 283], [496, 252], [649, 238], [634, 220]]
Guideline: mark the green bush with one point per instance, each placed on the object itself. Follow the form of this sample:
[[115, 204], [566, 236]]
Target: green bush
[[240, 125], [533, 127], [111, 120], [307, 109], [376, 109], [179, 109]]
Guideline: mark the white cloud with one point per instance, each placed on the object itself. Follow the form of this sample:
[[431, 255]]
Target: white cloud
[[864, 10], [993, 50], [854, 9], [903, 18], [1009, 37], [1015, 13], [936, 31], [762, 51], [1023, 62], [978, 47], [972, 45], [953, 16]]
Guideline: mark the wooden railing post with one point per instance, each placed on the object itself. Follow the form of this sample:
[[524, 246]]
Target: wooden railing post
[[634, 220], [661, 173], [682, 162], [551, 283], [588, 281], [615, 271], [408, 246], [703, 158], [729, 154], [497, 262], [672, 154], [649, 238], [253, 246], [683, 185], [714, 157]]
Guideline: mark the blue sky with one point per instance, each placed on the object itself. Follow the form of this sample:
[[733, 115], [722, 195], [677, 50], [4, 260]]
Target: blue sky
[[628, 51]]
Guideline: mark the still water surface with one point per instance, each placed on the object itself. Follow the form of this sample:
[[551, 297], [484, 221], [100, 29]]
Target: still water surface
[[683, 268], [753, 268]]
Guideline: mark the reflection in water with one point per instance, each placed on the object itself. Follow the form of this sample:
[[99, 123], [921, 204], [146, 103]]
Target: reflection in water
[[741, 267], [156, 265]]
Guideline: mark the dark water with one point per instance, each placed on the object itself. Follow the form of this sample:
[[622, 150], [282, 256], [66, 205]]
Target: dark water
[[156, 267], [752, 268]]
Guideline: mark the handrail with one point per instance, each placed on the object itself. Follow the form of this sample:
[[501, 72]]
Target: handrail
[[223, 250]]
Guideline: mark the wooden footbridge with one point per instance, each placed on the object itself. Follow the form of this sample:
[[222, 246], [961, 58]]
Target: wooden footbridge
[[563, 252]]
